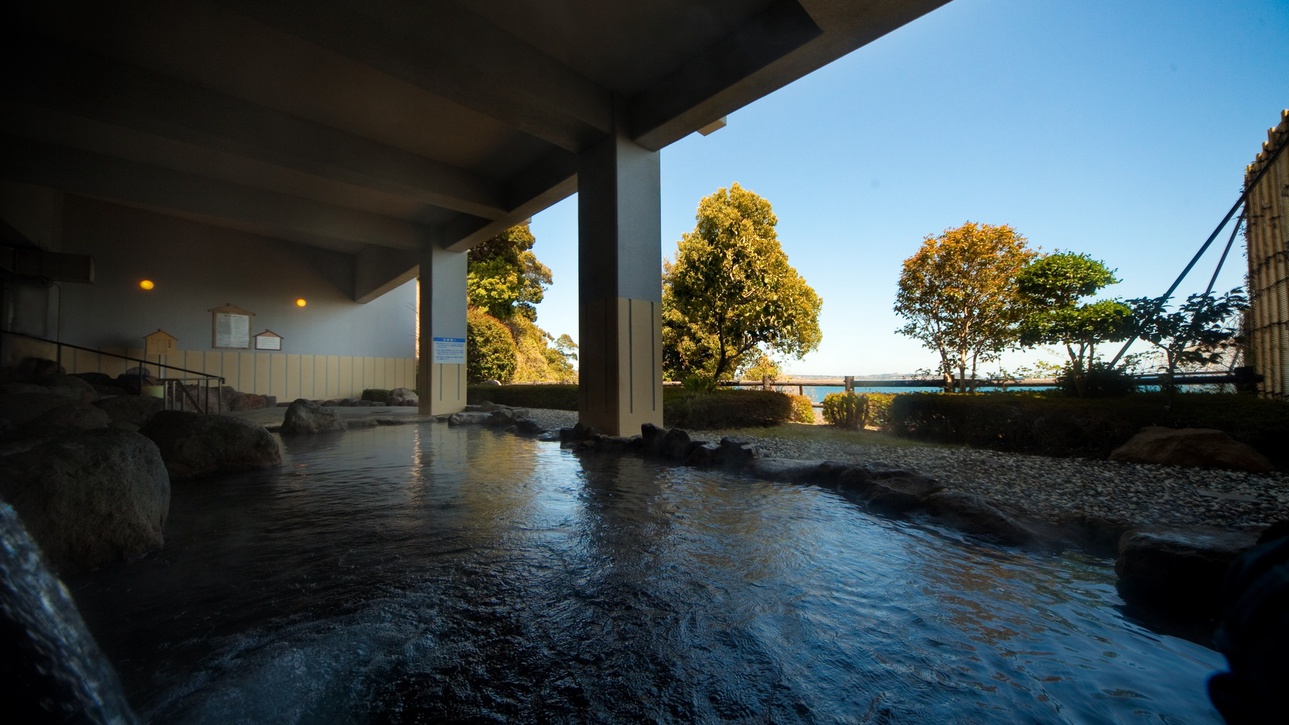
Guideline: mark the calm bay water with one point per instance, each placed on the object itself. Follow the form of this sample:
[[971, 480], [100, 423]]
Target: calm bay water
[[426, 574]]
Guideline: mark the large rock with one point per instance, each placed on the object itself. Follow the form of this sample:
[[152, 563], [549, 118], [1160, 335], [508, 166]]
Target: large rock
[[306, 416], [82, 416], [1191, 447], [787, 470], [888, 491], [193, 444], [402, 396], [1178, 570], [72, 386], [7, 389], [135, 409], [1254, 636], [90, 498], [978, 516], [22, 408], [470, 418], [96, 379], [251, 401], [52, 669], [501, 415]]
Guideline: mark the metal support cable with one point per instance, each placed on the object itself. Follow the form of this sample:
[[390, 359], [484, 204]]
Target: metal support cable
[[1222, 260], [1244, 196]]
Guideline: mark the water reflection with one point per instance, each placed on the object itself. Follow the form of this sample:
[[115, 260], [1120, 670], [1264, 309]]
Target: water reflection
[[429, 573]]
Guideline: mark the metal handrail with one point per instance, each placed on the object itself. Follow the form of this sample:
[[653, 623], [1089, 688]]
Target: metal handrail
[[205, 379]]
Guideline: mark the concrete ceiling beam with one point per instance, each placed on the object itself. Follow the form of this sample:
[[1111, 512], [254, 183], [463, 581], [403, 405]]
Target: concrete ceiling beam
[[550, 180], [780, 29], [104, 90], [378, 270], [113, 179], [444, 49]]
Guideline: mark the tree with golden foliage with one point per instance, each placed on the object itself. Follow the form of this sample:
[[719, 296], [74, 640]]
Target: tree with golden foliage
[[960, 297]]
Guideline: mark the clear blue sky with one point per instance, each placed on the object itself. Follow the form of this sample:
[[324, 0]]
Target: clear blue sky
[[1119, 128]]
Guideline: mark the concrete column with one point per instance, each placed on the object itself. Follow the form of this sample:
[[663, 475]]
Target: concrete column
[[619, 287], [440, 372]]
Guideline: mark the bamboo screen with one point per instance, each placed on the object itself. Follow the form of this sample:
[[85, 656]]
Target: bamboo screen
[[1268, 243]]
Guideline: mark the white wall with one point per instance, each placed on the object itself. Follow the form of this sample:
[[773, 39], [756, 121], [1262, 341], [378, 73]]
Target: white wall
[[197, 266]]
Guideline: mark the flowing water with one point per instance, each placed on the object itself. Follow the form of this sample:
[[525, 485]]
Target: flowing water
[[431, 573]]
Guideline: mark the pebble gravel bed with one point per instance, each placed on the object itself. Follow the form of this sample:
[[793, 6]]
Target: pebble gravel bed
[[1049, 488]]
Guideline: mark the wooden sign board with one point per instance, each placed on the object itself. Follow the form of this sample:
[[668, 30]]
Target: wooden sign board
[[268, 340], [160, 343], [230, 327]]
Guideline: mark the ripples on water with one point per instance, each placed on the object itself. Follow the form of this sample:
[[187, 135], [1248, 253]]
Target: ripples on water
[[418, 574]]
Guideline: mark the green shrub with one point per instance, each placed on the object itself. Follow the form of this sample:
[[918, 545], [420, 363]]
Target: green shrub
[[699, 384], [879, 410], [846, 410], [1060, 426], [552, 396], [490, 349], [378, 395], [803, 409], [1103, 381], [724, 408]]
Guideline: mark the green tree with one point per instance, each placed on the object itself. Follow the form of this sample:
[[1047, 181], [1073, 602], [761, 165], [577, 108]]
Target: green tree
[[1197, 333], [1051, 286], [566, 348], [490, 348], [959, 295], [537, 361], [731, 291], [759, 368], [503, 276], [505, 282]]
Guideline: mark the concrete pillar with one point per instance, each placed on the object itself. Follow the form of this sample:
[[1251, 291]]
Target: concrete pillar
[[440, 372], [619, 287]]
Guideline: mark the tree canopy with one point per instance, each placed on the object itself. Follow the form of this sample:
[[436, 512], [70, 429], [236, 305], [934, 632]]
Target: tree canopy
[[960, 297], [1198, 332], [504, 283], [503, 276], [731, 292], [1051, 287]]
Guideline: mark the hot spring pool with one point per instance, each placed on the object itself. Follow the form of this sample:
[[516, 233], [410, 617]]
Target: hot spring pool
[[429, 573]]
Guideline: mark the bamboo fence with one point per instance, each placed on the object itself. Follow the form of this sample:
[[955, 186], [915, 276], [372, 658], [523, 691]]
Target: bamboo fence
[[1267, 234]]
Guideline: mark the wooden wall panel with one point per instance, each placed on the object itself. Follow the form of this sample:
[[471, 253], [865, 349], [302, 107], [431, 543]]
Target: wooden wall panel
[[347, 379], [292, 376], [263, 373], [277, 376]]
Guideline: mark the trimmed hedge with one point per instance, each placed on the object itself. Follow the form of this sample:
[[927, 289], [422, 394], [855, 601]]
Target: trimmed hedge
[[803, 410], [683, 408], [724, 409], [846, 410], [879, 410], [377, 395], [560, 396], [1058, 426]]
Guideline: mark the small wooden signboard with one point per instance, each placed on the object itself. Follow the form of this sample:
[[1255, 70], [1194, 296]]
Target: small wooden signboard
[[160, 343], [268, 340], [230, 327]]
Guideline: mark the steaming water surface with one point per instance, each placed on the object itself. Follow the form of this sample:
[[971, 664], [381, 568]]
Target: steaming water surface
[[428, 573]]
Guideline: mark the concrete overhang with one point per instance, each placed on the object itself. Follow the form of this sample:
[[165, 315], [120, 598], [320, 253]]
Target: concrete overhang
[[378, 127]]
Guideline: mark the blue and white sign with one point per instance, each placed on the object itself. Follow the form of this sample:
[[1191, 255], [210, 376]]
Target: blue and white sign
[[449, 350]]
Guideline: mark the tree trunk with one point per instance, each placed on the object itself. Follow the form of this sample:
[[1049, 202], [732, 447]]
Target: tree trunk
[[1077, 374]]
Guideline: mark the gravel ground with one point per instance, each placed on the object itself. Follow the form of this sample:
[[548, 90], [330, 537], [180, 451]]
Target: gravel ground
[[1051, 488]]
